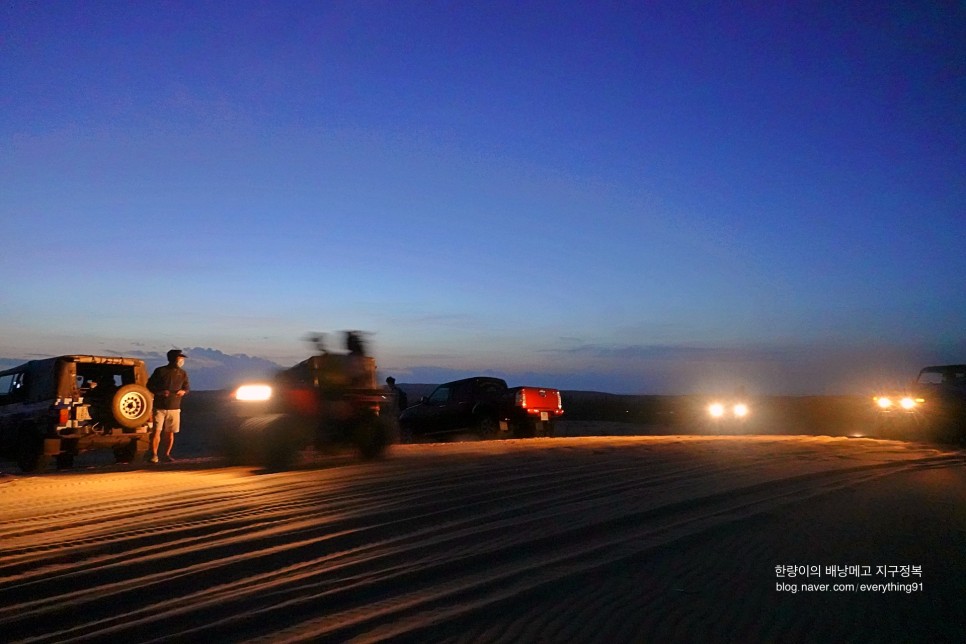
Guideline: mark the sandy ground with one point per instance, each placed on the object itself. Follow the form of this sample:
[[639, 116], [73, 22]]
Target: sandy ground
[[572, 539]]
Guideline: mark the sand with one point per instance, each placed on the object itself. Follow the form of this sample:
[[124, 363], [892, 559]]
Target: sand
[[573, 539]]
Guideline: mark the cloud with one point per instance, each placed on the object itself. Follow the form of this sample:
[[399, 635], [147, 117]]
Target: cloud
[[792, 369], [621, 368], [207, 368], [674, 353], [211, 369]]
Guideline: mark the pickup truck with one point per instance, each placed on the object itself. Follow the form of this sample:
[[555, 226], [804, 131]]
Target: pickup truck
[[485, 406]]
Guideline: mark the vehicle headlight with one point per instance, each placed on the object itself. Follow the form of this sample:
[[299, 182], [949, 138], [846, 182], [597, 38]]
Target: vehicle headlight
[[907, 403], [740, 410], [253, 393], [884, 402], [716, 410]]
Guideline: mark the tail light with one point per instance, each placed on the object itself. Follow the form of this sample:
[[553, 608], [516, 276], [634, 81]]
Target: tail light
[[63, 415]]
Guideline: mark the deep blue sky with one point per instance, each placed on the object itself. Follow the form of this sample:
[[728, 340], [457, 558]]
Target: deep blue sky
[[634, 197]]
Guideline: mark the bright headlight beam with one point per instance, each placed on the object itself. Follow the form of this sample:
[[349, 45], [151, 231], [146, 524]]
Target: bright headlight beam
[[740, 410], [717, 410], [907, 403], [883, 402], [253, 393]]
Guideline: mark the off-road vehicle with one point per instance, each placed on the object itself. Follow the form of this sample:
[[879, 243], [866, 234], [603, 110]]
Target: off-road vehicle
[[327, 401], [932, 406], [59, 407]]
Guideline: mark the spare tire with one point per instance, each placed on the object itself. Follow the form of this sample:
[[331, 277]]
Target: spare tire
[[131, 406]]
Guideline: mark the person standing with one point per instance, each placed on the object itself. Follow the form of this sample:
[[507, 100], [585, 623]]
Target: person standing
[[402, 400], [398, 402], [169, 384]]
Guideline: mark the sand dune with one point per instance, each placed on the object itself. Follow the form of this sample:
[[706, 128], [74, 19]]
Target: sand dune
[[651, 538]]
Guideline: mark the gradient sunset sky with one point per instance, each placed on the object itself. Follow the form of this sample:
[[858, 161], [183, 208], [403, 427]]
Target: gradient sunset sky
[[635, 197]]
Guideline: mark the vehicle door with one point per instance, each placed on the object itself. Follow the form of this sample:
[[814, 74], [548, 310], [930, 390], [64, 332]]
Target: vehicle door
[[458, 413], [6, 422], [13, 393], [430, 414]]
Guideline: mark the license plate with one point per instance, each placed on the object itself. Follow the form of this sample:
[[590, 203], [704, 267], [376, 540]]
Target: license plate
[[544, 415]]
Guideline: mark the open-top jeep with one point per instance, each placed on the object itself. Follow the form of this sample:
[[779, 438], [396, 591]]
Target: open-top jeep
[[59, 407]]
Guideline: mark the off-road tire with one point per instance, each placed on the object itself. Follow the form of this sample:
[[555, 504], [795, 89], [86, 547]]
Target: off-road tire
[[240, 441], [30, 451], [131, 406], [280, 445], [371, 435], [64, 461], [128, 452], [272, 441]]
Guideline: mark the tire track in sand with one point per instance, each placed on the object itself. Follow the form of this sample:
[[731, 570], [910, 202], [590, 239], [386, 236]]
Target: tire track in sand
[[377, 550]]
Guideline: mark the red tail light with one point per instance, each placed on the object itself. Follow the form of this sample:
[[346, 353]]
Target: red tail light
[[63, 416]]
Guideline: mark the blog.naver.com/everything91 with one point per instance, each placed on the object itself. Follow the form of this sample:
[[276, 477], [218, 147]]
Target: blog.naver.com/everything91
[[851, 578]]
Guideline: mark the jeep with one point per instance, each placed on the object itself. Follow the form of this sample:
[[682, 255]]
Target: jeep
[[59, 407]]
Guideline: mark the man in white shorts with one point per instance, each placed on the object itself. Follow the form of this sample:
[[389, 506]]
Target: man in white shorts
[[169, 384]]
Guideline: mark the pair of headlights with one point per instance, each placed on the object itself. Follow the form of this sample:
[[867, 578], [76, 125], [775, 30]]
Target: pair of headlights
[[721, 410], [907, 403]]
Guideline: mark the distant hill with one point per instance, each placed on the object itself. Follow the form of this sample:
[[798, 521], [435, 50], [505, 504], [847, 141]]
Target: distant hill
[[415, 391]]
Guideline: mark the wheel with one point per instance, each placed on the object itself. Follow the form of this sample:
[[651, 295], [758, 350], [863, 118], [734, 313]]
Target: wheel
[[371, 436], [488, 427], [948, 430], [128, 452], [273, 441], [30, 451], [406, 434], [237, 451], [524, 429], [131, 406], [240, 441], [64, 461], [280, 444]]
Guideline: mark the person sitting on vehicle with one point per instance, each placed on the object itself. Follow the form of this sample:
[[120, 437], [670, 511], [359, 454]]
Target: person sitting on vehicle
[[354, 343], [356, 364], [102, 386]]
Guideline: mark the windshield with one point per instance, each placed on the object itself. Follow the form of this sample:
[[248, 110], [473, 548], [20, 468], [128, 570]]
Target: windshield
[[955, 377]]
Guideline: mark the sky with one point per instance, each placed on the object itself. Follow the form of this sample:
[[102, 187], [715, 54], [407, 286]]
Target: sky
[[633, 197]]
